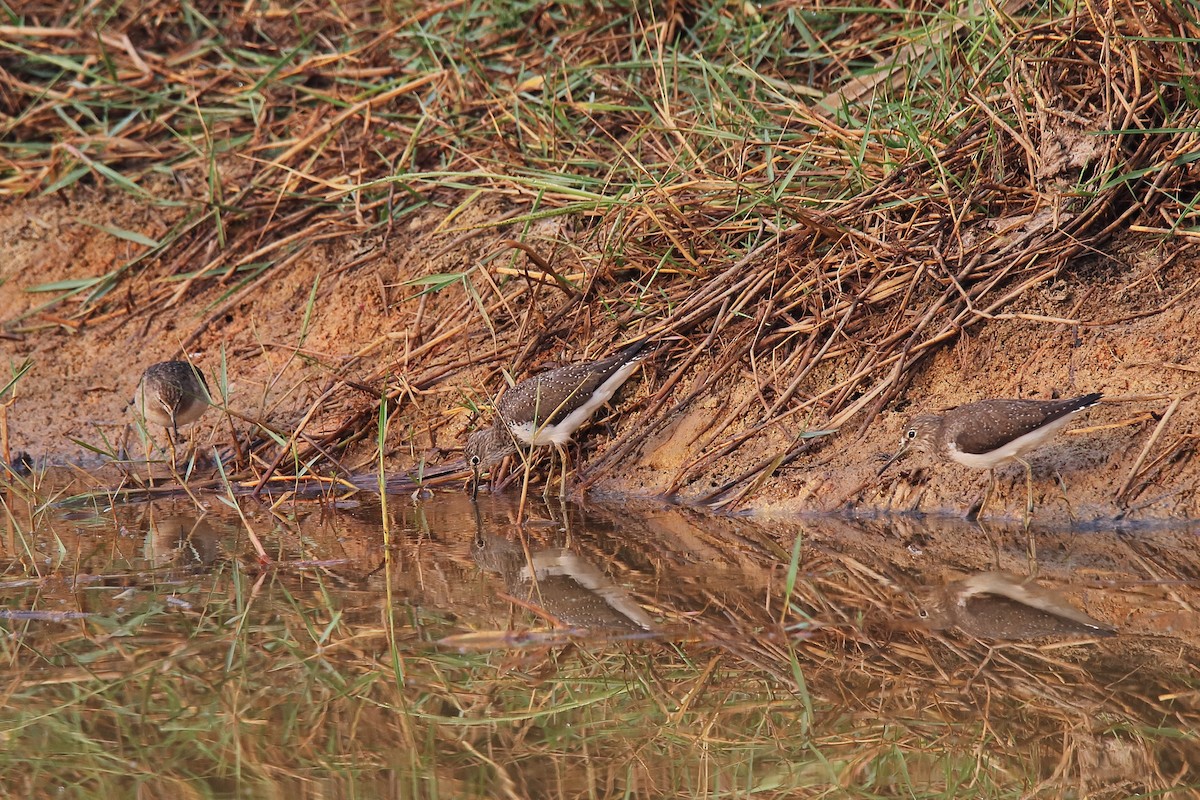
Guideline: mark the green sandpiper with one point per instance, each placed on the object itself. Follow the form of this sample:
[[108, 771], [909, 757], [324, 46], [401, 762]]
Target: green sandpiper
[[549, 408]]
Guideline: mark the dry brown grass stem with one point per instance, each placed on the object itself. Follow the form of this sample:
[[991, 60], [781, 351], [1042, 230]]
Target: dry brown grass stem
[[1126, 493], [827, 286]]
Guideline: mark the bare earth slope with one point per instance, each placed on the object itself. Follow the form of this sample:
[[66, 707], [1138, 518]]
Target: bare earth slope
[[1136, 343], [829, 216]]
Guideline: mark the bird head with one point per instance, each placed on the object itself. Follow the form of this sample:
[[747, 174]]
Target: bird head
[[485, 447], [918, 433]]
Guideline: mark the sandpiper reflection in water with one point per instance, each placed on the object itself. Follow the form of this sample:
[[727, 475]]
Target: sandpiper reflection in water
[[1001, 605], [562, 583]]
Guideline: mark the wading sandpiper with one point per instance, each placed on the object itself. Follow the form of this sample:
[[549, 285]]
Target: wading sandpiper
[[988, 433], [172, 394], [549, 408]]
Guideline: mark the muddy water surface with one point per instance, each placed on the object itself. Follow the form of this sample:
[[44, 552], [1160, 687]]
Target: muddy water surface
[[435, 648]]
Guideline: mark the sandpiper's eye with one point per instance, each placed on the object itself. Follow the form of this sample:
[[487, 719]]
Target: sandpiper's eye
[[923, 613], [911, 433], [474, 461]]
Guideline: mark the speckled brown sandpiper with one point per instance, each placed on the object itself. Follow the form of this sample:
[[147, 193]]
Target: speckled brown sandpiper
[[988, 433], [549, 408], [171, 394]]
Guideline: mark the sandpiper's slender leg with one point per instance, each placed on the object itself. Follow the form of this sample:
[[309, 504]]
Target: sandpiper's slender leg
[[994, 541], [550, 473], [171, 434], [976, 512], [148, 447], [562, 483], [1030, 542], [565, 513], [1028, 492]]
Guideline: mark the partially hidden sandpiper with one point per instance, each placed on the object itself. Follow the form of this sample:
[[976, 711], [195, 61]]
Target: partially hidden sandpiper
[[549, 408], [172, 394], [989, 433]]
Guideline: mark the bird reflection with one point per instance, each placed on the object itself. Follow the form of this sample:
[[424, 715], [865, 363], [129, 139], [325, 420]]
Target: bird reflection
[[182, 540], [560, 582], [1001, 605]]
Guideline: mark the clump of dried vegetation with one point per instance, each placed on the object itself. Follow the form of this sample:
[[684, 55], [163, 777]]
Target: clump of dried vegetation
[[823, 193], [819, 194]]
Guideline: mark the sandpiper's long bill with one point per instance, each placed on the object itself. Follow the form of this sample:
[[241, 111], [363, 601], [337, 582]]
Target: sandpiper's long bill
[[549, 408]]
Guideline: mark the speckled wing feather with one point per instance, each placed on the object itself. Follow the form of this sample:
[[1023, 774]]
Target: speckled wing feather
[[551, 396], [993, 423]]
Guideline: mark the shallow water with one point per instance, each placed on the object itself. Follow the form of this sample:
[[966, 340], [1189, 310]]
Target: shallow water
[[595, 651]]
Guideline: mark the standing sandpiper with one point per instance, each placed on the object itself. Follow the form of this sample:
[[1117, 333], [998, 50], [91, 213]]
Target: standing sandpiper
[[988, 433], [548, 408], [172, 393]]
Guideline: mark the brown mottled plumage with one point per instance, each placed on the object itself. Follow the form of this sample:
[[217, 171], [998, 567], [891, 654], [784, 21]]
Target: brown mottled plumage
[[562, 583], [548, 408], [172, 393], [988, 433], [1001, 605]]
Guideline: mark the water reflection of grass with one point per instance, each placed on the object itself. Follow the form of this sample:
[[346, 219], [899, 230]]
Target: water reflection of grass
[[199, 673], [167, 698]]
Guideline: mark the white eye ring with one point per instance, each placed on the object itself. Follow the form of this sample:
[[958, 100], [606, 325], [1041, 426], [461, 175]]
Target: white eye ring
[[911, 433], [474, 460]]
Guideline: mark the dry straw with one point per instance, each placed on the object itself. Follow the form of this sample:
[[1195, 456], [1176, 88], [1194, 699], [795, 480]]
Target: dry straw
[[816, 220]]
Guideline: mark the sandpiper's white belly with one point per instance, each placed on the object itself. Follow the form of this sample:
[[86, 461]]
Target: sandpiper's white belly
[[1011, 450], [539, 437]]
